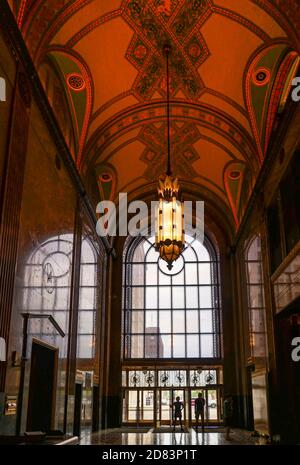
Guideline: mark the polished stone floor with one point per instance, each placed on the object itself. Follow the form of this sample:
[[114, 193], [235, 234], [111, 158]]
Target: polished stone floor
[[121, 437]]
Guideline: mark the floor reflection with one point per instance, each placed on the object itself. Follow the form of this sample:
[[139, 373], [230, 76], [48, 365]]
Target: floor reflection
[[121, 437]]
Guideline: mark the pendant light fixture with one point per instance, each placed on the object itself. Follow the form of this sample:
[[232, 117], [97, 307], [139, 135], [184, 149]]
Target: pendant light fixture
[[169, 241]]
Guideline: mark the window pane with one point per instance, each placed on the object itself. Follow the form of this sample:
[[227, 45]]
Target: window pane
[[259, 345], [256, 296], [192, 346], [258, 321], [164, 297], [140, 252], [189, 254], [137, 348], [88, 275], [164, 346], [85, 347], [151, 274], [164, 279], [205, 297], [192, 323], [165, 321], [201, 251], [137, 322], [191, 276], [191, 297], [137, 295], [151, 319], [152, 255], [178, 346], [86, 322], [151, 346], [254, 272], [207, 346], [178, 278], [151, 297], [254, 252], [178, 297], [86, 298], [204, 270], [87, 254], [206, 321], [137, 272], [178, 321]]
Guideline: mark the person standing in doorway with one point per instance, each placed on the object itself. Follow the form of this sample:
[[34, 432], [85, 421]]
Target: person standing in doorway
[[199, 410], [177, 412], [228, 415]]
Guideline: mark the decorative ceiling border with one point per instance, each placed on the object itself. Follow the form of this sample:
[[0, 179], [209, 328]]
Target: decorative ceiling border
[[202, 114], [86, 73], [284, 20]]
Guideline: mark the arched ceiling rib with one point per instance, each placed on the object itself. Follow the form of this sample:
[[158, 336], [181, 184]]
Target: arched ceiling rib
[[220, 51]]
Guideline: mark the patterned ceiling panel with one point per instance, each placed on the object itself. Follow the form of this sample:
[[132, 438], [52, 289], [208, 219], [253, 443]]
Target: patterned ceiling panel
[[229, 66]]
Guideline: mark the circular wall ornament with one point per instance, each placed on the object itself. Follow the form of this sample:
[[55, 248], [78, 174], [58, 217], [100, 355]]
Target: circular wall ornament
[[234, 175], [75, 82], [261, 76], [105, 177]]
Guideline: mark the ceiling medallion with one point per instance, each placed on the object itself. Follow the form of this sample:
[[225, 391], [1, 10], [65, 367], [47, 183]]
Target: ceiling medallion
[[261, 76], [75, 82]]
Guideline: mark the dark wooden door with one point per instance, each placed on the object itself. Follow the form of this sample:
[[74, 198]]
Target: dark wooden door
[[42, 388]]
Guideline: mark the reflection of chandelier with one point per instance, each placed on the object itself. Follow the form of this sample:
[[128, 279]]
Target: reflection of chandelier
[[169, 241]]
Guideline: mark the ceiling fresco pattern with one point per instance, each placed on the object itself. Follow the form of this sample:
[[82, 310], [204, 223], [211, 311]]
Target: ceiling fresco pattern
[[230, 68]]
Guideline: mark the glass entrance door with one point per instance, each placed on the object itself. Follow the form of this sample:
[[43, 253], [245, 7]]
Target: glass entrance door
[[212, 409], [165, 400], [138, 406]]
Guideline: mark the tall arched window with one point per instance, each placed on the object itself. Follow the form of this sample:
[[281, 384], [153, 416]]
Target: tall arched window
[[47, 288], [256, 299], [171, 314]]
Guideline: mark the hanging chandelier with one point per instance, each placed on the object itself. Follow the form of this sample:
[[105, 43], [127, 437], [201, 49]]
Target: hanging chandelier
[[169, 240]]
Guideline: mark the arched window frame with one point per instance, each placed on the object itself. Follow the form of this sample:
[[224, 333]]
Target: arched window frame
[[257, 343], [128, 263]]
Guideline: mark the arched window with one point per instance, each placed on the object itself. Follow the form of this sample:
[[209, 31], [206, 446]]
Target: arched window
[[171, 314], [47, 288], [256, 299]]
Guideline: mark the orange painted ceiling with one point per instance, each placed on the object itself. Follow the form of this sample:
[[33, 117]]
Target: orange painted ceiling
[[225, 60]]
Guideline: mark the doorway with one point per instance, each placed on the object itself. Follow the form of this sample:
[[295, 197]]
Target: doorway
[[138, 406], [288, 328], [154, 407], [165, 400], [42, 387]]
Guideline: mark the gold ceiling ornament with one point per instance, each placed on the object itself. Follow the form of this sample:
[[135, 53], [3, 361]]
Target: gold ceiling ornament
[[169, 240]]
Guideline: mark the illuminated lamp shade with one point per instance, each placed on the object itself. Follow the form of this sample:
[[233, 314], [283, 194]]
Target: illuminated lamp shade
[[169, 240]]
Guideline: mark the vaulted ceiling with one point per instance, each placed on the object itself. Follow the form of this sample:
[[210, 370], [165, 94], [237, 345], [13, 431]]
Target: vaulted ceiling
[[230, 64]]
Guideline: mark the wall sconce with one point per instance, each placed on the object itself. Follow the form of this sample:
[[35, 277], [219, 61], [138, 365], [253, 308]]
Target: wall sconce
[[2, 350]]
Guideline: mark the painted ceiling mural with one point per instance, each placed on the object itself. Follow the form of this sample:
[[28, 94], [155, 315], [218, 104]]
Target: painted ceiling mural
[[231, 66]]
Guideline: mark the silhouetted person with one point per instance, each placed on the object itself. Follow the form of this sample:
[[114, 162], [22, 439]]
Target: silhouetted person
[[199, 410], [228, 414], [177, 412]]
